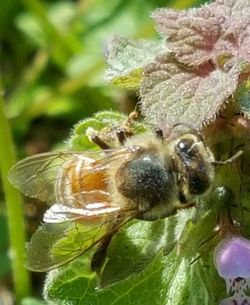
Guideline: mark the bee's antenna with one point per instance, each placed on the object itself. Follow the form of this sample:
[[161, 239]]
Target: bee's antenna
[[230, 160]]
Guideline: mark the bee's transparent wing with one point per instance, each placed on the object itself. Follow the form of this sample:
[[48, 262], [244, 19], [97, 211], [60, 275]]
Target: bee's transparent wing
[[37, 176], [55, 244], [59, 213]]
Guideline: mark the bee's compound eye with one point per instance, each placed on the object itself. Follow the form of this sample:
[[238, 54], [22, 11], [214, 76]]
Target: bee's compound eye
[[144, 177], [185, 145]]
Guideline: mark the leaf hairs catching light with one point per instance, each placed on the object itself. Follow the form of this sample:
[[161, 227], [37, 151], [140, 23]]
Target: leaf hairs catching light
[[194, 72], [198, 83], [127, 58], [172, 92], [202, 34]]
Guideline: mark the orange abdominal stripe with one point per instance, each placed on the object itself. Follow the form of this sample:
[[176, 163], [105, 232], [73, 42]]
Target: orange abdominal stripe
[[84, 181]]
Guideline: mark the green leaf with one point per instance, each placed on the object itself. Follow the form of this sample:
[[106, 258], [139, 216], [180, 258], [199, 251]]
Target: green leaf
[[80, 140], [168, 280], [242, 96], [104, 124], [53, 245], [71, 287], [138, 272], [134, 248], [165, 262], [128, 58], [32, 301]]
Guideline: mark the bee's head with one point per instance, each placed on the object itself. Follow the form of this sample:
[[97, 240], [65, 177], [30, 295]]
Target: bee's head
[[194, 165]]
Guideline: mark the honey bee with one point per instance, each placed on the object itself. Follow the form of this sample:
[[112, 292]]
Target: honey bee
[[93, 194]]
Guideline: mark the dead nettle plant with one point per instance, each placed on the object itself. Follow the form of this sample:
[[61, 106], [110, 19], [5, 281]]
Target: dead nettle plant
[[195, 70], [195, 75]]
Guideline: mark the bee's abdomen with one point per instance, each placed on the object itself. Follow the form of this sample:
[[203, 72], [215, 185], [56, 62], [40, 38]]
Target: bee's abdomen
[[144, 178], [78, 183]]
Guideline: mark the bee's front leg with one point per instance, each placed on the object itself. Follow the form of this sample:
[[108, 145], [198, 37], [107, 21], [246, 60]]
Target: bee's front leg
[[99, 142], [159, 133], [121, 136], [100, 254]]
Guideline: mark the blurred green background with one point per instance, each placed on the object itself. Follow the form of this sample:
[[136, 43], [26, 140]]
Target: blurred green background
[[52, 63]]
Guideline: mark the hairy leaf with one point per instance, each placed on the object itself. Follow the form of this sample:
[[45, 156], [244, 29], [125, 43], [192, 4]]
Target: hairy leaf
[[172, 93], [147, 267], [70, 287], [160, 279], [198, 35], [105, 124], [190, 34], [127, 58], [242, 96], [32, 301], [135, 248]]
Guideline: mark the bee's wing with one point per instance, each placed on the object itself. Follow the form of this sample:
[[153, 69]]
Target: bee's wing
[[37, 176], [59, 213], [55, 244]]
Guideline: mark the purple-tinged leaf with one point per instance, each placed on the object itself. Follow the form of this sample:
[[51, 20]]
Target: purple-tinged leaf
[[205, 33], [127, 58], [172, 93], [235, 38], [191, 34]]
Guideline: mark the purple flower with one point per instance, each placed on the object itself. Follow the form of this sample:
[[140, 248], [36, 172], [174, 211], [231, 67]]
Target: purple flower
[[232, 261]]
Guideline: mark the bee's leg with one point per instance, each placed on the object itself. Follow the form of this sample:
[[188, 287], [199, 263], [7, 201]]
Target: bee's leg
[[158, 133], [127, 130], [121, 136], [99, 256], [188, 206], [97, 140]]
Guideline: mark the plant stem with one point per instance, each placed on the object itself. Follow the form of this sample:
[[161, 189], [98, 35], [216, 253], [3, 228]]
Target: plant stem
[[14, 208]]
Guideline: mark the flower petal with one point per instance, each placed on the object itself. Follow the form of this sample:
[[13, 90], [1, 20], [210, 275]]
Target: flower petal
[[232, 257]]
